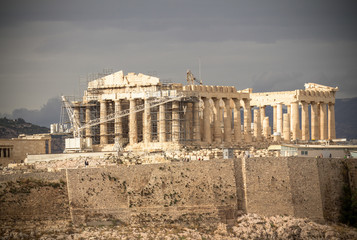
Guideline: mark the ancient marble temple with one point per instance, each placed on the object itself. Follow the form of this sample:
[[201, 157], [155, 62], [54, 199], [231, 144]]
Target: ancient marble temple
[[139, 111]]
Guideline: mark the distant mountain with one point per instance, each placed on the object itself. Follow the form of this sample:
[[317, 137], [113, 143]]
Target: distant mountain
[[12, 128], [346, 118]]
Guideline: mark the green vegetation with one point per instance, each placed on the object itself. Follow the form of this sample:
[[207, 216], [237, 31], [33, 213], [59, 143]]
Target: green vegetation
[[10, 128]]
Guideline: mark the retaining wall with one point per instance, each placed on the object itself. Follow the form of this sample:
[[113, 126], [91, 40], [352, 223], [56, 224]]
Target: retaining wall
[[194, 192]]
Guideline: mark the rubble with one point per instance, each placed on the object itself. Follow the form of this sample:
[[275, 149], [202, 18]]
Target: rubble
[[250, 226]]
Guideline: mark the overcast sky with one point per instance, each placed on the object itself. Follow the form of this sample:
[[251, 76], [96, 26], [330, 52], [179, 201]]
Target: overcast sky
[[46, 46]]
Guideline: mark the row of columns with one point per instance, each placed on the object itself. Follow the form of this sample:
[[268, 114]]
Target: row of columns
[[5, 152], [322, 121], [211, 133], [229, 135], [288, 124]]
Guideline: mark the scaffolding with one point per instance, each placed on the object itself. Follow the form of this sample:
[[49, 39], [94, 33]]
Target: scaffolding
[[96, 121]]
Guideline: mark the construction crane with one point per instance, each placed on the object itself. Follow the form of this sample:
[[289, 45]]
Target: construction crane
[[75, 124], [191, 78]]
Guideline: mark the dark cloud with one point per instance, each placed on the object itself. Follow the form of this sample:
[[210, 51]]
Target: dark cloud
[[268, 45], [49, 113]]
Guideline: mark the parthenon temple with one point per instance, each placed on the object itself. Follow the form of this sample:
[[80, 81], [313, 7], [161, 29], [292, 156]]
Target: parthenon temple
[[140, 111]]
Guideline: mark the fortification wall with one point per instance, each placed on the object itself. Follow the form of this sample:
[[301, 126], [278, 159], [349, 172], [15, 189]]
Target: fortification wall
[[268, 189], [305, 188], [194, 193], [34, 200]]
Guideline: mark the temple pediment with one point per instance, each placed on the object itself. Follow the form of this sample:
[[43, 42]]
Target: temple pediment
[[319, 87]]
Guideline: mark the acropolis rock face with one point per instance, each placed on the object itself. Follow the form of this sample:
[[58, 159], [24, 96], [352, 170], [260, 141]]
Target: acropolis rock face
[[145, 113]]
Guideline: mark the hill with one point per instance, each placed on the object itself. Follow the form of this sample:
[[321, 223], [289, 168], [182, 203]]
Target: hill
[[10, 128]]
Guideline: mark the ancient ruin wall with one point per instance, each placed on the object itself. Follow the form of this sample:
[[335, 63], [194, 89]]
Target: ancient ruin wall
[[268, 189], [33, 200], [194, 192], [332, 180], [159, 192], [305, 188]]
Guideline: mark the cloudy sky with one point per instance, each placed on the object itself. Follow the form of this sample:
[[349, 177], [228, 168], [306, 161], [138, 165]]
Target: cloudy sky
[[47, 46]]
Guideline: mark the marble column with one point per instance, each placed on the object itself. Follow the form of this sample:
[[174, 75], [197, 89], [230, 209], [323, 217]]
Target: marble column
[[262, 116], [279, 116], [295, 124], [103, 126], [305, 121], [196, 122], [147, 122], [228, 121], [217, 121], [133, 126], [331, 121], [247, 120], [314, 121], [266, 128], [207, 135], [257, 126], [189, 122], [323, 121], [118, 124], [162, 123], [237, 121], [175, 121], [275, 119], [88, 129], [286, 127]]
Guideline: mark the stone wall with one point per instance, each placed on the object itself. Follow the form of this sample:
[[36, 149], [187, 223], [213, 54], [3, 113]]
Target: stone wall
[[305, 188], [33, 200], [160, 192], [22, 147], [186, 192], [268, 187]]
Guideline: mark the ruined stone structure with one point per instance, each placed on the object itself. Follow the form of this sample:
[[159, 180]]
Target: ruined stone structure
[[139, 111], [15, 150], [320, 98], [186, 192]]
